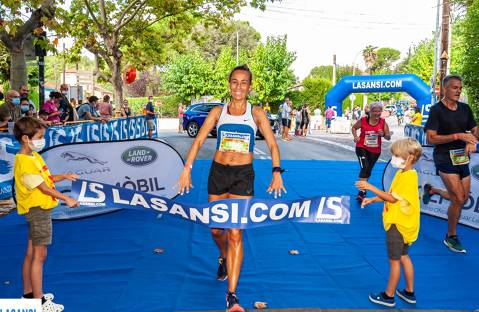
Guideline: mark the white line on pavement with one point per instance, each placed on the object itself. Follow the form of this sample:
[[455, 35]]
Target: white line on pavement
[[346, 147], [258, 151]]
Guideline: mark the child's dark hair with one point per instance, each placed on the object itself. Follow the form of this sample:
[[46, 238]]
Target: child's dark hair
[[55, 95], [27, 126], [245, 68]]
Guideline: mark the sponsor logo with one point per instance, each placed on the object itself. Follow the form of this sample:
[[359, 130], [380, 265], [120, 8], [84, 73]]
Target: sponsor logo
[[475, 172], [74, 156], [139, 156]]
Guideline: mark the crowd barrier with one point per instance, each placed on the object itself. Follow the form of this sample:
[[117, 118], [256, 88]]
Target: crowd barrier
[[113, 130]]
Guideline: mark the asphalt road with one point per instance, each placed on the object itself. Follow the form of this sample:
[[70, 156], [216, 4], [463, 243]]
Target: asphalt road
[[319, 146]]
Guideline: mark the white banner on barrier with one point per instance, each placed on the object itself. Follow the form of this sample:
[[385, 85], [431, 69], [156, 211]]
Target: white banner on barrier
[[142, 165], [426, 171]]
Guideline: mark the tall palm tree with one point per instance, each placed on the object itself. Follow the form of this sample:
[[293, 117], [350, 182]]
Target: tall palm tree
[[369, 55]]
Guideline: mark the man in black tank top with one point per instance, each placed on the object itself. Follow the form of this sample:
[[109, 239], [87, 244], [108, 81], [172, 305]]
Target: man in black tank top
[[452, 129]]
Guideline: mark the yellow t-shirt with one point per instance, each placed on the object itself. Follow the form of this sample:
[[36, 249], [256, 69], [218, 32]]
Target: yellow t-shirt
[[30, 171], [418, 120], [405, 212]]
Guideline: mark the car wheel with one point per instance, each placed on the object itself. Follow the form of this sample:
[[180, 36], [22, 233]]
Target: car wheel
[[192, 129]]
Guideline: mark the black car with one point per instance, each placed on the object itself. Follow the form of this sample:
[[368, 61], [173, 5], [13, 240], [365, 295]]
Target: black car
[[195, 116]]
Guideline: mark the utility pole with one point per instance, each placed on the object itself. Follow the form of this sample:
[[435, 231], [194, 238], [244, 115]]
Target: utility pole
[[446, 16], [436, 53], [334, 69]]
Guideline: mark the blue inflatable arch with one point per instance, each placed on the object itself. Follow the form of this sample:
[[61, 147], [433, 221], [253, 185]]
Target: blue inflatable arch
[[409, 83]]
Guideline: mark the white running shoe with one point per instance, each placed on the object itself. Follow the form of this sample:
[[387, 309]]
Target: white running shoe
[[50, 306]]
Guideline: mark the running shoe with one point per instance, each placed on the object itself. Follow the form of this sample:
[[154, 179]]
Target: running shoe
[[361, 196], [232, 303], [453, 243], [50, 306], [406, 296], [426, 195], [222, 273], [382, 299]]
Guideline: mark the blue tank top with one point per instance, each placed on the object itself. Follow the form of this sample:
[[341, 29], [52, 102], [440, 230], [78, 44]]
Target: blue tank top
[[236, 133]]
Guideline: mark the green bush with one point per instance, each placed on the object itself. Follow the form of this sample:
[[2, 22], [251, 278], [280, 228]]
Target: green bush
[[169, 107]]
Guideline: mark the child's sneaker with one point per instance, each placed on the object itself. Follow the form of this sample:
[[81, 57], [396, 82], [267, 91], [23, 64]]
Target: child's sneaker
[[222, 273], [426, 195], [406, 296], [382, 299], [232, 303], [453, 243], [50, 306]]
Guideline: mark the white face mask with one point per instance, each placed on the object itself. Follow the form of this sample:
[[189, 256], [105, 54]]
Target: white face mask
[[398, 162], [36, 145]]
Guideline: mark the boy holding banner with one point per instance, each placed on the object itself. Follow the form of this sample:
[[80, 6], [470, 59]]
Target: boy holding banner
[[36, 197], [400, 218]]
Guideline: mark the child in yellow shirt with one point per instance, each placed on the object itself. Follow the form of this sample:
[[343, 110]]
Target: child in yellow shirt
[[400, 219], [36, 196]]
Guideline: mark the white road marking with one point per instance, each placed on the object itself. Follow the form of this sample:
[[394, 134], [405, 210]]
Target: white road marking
[[346, 147]]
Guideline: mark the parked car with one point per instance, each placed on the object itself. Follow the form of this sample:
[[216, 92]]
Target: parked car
[[195, 116]]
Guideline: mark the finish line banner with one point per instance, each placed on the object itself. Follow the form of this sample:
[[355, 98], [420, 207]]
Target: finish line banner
[[232, 213]]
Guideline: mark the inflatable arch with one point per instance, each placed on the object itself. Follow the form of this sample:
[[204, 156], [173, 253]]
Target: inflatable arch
[[409, 83]]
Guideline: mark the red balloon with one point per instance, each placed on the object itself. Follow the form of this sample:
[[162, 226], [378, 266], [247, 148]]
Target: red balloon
[[130, 75]]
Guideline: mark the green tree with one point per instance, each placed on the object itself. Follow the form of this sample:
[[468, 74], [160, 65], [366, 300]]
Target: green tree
[[315, 89], [385, 57], [470, 60], [138, 31], [188, 76], [326, 71], [20, 20], [420, 61], [369, 55], [210, 40], [272, 75]]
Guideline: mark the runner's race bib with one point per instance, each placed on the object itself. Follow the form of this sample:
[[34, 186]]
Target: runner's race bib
[[371, 139], [234, 142], [459, 157]]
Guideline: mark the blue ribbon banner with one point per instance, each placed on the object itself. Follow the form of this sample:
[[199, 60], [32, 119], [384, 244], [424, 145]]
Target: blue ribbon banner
[[231, 213]]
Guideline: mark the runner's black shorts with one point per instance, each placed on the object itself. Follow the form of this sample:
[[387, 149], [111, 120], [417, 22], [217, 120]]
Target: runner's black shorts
[[447, 167], [236, 180], [366, 161], [286, 122]]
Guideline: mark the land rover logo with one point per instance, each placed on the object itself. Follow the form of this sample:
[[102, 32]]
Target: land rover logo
[[139, 156], [475, 172]]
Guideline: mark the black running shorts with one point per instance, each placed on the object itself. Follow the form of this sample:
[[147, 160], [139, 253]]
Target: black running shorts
[[366, 161], [237, 180]]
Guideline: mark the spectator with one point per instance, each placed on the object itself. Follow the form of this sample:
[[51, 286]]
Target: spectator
[[87, 111], [125, 109], [305, 119], [181, 112], [417, 117], [52, 107], [10, 110], [297, 119], [150, 116], [43, 116], [68, 110], [105, 108], [26, 107], [286, 109], [329, 114], [24, 93]]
